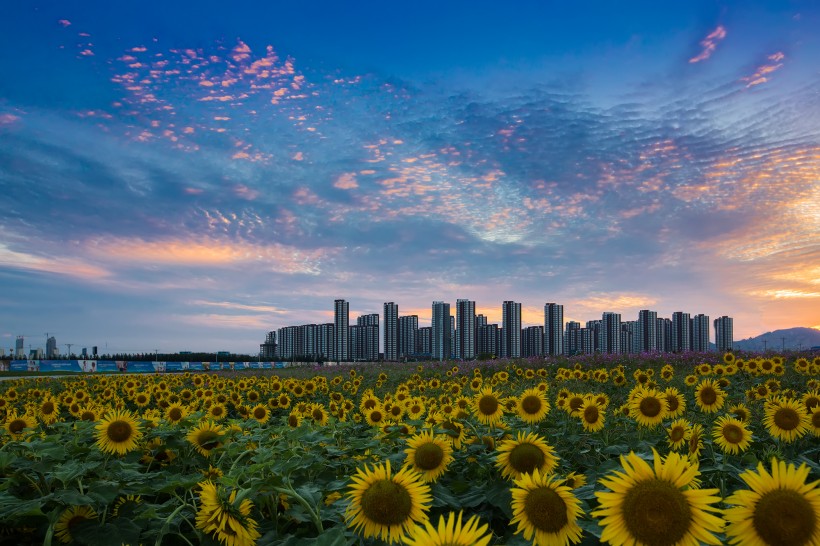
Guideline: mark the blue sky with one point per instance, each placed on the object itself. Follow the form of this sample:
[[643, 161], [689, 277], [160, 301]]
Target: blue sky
[[190, 176]]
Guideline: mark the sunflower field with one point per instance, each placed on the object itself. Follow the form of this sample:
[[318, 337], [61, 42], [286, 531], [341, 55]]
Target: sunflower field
[[618, 449]]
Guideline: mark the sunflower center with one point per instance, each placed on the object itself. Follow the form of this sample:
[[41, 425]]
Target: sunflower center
[[208, 439], [650, 406], [656, 513], [525, 458], [293, 420], [708, 396], [677, 434], [317, 415], [376, 416], [386, 503], [47, 408], [546, 510], [87, 416], [531, 404], [175, 414], [575, 403], [488, 405], [784, 517], [119, 431], [591, 414], [786, 418], [812, 402], [815, 419], [17, 426], [732, 434], [672, 403], [429, 456]]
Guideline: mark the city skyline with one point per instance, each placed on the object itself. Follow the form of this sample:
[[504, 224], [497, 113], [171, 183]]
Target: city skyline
[[181, 179]]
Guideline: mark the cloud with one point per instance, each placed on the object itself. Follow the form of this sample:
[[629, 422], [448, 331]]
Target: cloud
[[709, 44], [346, 181], [764, 71], [206, 252], [71, 267], [64, 23], [239, 306], [8, 119]]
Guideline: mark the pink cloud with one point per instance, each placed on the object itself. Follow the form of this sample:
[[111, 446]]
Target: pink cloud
[[298, 156], [8, 119], [193, 191], [60, 266], [762, 74], [64, 22], [346, 181], [710, 44], [245, 192]]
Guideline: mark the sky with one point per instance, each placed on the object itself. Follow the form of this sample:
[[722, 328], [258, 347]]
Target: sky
[[190, 175]]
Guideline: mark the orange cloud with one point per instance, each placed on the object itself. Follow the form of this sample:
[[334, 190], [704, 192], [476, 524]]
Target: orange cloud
[[205, 251], [61, 266], [240, 306], [761, 75], [298, 156], [709, 44], [245, 192], [346, 181]]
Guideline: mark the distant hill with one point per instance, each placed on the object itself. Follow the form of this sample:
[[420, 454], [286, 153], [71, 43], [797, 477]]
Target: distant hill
[[790, 338]]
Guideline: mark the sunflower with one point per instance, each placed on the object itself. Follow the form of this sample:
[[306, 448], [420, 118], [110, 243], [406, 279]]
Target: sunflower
[[126, 504], [224, 517], [575, 480], [740, 412], [709, 396], [318, 414], [815, 422], [545, 510], [487, 406], [676, 433], [260, 413], [524, 454], [780, 508], [386, 505], [450, 532], [175, 413], [16, 425], [89, 413], [217, 412], [70, 517], [118, 432], [295, 419], [660, 505], [375, 417], [592, 416], [728, 358], [786, 419], [428, 455], [648, 407], [452, 429], [574, 403], [205, 437], [731, 435], [694, 441], [532, 406], [142, 399], [48, 410], [675, 403]]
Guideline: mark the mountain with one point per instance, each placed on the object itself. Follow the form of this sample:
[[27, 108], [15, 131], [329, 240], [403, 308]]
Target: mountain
[[790, 339]]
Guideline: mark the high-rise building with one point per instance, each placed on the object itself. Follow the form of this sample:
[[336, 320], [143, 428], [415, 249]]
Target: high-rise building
[[51, 347], [19, 348], [664, 335], [573, 342], [699, 330], [341, 321], [532, 341], [488, 336], [628, 338], [408, 336], [369, 339], [553, 329], [511, 329], [391, 331], [724, 333], [324, 341], [646, 331], [441, 331], [268, 349], [465, 329], [425, 341], [680, 332], [610, 333]]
